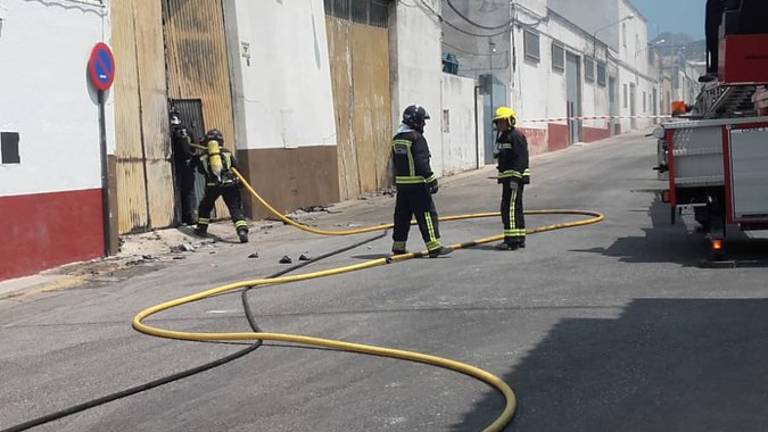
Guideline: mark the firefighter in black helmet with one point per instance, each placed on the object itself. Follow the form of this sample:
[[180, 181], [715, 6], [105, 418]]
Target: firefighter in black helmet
[[514, 174], [415, 184], [216, 165], [184, 160]]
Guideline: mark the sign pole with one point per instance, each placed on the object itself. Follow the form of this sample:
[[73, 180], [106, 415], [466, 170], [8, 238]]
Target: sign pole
[[101, 68], [107, 213]]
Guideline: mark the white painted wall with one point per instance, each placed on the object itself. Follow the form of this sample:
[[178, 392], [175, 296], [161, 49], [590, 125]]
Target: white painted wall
[[539, 90], [285, 96], [634, 50], [415, 35], [47, 97], [594, 16], [635, 68], [460, 143]]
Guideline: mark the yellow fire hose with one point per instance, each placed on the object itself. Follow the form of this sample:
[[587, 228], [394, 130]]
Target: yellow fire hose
[[511, 402]]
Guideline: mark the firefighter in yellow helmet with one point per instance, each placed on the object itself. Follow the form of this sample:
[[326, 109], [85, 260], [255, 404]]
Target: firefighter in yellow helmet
[[216, 165], [514, 174]]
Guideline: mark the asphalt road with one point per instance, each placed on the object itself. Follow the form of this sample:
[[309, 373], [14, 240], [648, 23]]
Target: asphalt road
[[611, 327]]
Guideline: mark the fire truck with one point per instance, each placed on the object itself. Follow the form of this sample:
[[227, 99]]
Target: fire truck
[[715, 155]]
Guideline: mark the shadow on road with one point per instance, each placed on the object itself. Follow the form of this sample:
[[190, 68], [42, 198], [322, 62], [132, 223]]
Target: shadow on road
[[663, 365], [681, 243]]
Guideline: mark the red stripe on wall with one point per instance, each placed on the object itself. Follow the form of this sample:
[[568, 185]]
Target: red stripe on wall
[[537, 140], [595, 134], [558, 136], [45, 230]]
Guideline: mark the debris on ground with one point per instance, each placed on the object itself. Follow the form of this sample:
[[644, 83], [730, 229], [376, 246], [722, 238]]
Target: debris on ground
[[286, 260], [183, 247], [314, 209], [305, 257], [254, 255]]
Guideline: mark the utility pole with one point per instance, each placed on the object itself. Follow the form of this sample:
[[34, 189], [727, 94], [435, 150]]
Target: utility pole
[[492, 51]]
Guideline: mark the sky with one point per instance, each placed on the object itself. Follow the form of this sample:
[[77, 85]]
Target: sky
[[677, 16]]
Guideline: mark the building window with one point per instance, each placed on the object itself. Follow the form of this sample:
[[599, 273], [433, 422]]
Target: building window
[[532, 49], [624, 34], [589, 69], [558, 57], [371, 12], [9, 148], [645, 106], [626, 98], [601, 74]]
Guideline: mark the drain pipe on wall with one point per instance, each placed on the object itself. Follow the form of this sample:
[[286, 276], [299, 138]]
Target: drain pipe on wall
[[477, 131]]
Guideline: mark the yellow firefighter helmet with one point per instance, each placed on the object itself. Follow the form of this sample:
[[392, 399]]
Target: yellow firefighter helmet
[[506, 113]]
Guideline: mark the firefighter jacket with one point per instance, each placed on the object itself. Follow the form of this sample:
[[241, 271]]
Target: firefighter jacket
[[227, 178], [513, 157], [410, 159], [182, 144]]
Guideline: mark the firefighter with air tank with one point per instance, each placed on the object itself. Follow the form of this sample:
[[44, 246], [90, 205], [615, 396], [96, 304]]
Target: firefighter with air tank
[[216, 164]]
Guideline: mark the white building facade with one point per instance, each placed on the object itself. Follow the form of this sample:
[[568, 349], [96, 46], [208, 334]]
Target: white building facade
[[50, 159], [574, 71], [317, 91]]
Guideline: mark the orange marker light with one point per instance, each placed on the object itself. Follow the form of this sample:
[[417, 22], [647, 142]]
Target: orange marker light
[[717, 245], [679, 107]]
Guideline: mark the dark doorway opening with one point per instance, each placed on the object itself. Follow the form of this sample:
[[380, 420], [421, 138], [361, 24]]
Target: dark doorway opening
[[189, 185]]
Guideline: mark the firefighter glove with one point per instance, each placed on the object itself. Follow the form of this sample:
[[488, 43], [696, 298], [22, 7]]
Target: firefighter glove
[[432, 187]]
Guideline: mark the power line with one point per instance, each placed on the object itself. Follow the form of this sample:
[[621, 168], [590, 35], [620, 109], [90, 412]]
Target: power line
[[473, 53], [453, 26], [476, 24]]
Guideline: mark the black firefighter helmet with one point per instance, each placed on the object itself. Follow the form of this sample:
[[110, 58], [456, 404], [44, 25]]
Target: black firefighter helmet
[[214, 135], [415, 116]]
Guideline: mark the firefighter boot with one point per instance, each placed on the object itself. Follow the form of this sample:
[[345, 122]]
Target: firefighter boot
[[242, 233], [439, 252], [201, 231], [508, 246], [398, 248]]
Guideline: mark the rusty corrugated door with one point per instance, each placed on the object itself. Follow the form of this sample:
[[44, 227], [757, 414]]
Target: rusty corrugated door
[[359, 58], [144, 173], [198, 64], [373, 106], [343, 100]]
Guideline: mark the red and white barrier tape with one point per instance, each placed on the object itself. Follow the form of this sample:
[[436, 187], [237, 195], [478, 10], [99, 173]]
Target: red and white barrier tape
[[561, 119]]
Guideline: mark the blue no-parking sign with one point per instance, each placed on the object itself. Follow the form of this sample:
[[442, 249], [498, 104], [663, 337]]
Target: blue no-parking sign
[[101, 66]]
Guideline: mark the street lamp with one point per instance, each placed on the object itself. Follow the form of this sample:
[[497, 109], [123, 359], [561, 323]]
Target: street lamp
[[594, 34], [648, 46]]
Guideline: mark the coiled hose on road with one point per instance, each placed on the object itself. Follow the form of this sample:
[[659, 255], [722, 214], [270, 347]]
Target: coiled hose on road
[[111, 397], [511, 402]]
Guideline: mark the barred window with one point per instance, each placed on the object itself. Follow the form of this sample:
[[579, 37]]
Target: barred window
[[626, 98], [371, 12], [601, 74], [531, 42], [558, 57], [589, 69]]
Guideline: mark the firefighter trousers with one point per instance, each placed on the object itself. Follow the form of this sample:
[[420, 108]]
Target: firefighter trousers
[[512, 212], [232, 199], [415, 201]]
